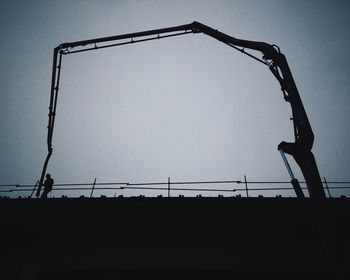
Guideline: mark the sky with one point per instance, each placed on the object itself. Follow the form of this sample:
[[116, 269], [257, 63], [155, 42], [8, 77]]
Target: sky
[[189, 108]]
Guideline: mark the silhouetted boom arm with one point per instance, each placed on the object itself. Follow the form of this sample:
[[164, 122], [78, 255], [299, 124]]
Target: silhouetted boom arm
[[304, 137], [272, 57], [170, 30], [279, 67]]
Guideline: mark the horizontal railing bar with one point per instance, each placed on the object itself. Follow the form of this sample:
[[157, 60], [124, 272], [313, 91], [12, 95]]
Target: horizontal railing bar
[[166, 183], [173, 189]]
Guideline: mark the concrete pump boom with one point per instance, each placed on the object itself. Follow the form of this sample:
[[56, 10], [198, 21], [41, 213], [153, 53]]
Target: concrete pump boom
[[272, 57]]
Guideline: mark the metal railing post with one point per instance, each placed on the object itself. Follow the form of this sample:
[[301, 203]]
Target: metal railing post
[[93, 187], [168, 186]]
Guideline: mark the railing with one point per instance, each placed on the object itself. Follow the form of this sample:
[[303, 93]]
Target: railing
[[240, 188]]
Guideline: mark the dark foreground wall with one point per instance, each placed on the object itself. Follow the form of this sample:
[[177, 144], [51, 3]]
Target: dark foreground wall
[[174, 238]]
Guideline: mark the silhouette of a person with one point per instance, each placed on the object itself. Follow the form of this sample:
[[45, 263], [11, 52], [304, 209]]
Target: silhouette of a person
[[47, 185]]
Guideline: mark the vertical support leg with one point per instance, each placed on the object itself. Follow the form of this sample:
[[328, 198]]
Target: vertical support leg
[[294, 181], [37, 183], [324, 178]]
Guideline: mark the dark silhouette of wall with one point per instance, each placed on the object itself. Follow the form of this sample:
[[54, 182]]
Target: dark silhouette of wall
[[174, 238]]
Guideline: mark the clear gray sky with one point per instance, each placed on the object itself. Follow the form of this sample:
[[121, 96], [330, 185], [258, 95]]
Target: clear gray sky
[[188, 107]]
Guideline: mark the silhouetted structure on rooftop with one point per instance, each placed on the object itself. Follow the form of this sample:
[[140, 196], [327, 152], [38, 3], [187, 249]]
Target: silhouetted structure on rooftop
[[271, 57]]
